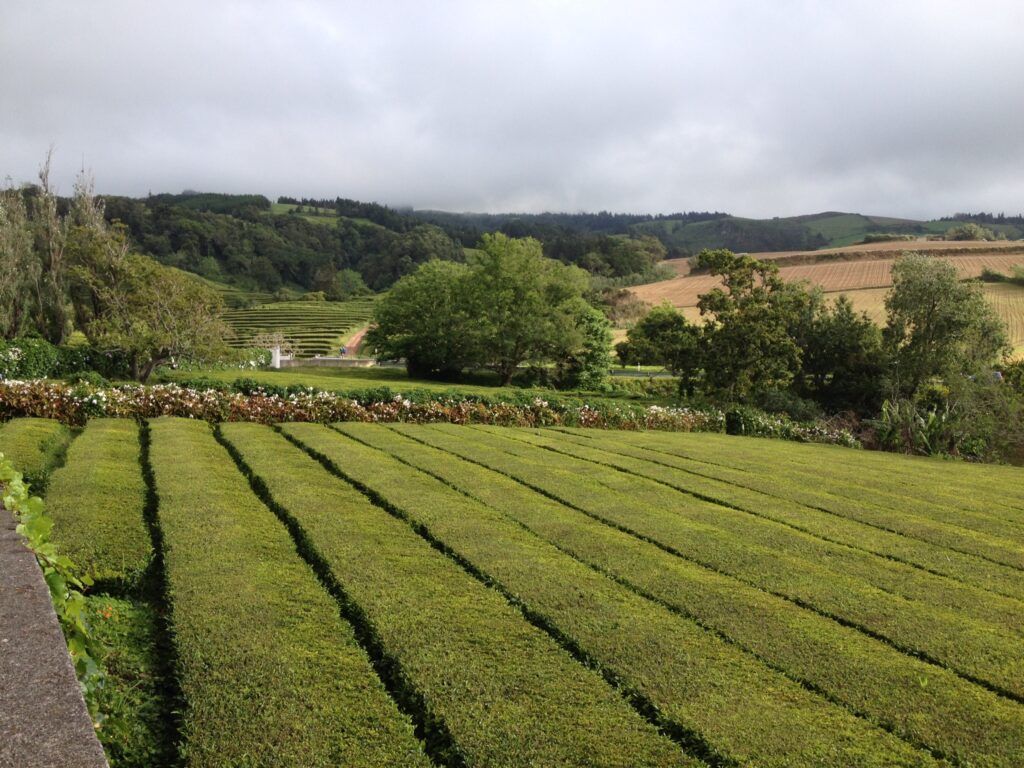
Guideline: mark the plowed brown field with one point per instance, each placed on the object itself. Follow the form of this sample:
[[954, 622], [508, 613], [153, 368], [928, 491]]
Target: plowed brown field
[[865, 281], [832, 276]]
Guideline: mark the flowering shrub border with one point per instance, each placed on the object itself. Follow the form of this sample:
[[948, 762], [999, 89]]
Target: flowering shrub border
[[76, 404]]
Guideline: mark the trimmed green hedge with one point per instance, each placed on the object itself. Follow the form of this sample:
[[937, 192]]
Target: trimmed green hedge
[[270, 674], [842, 543], [701, 466], [97, 501], [688, 527], [34, 446], [922, 702], [507, 694], [634, 641]]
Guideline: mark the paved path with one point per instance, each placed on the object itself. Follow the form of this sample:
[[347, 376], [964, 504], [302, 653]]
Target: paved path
[[43, 719]]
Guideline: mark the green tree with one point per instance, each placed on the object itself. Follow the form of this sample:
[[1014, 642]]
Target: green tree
[[937, 325], [508, 306], [347, 284], [586, 367], [664, 337], [19, 266], [749, 344], [524, 304], [149, 312], [842, 363], [426, 319], [969, 231]]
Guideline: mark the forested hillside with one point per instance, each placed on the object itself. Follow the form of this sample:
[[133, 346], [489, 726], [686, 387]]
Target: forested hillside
[[341, 246]]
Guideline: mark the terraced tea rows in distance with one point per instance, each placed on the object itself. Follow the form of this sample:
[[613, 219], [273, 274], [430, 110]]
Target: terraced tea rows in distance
[[314, 327], [268, 669], [97, 503], [507, 693], [948, 714]]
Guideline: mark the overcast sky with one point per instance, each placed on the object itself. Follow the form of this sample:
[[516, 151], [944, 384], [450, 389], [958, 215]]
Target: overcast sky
[[755, 108]]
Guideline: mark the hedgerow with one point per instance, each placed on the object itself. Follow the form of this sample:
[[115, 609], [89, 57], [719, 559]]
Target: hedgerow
[[97, 501], [978, 650], [34, 446], [269, 672], [269, 404], [826, 530], [633, 641], [507, 694], [921, 702]]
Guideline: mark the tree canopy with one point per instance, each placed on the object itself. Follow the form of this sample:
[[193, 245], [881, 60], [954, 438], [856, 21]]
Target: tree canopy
[[508, 305]]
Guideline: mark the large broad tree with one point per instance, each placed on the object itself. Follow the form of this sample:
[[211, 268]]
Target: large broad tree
[[938, 325], [151, 313], [524, 303], [426, 320], [749, 344], [664, 337], [507, 306]]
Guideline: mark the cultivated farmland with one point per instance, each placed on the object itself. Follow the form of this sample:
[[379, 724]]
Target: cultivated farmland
[[314, 327], [864, 280], [479, 596]]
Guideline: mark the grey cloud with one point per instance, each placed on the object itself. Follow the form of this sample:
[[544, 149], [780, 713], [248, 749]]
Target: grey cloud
[[903, 108]]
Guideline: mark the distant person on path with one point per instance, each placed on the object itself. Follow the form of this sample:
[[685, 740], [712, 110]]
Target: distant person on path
[[344, 351]]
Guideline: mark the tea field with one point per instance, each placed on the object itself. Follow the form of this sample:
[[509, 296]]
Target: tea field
[[313, 327], [368, 595]]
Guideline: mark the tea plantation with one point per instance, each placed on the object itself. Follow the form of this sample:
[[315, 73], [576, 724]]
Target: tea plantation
[[313, 327], [369, 595]]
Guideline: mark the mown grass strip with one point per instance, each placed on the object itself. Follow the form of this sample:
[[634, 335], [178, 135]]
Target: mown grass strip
[[998, 539], [35, 447], [921, 702], [981, 652], [849, 545], [97, 501], [831, 524], [508, 694], [270, 673], [633, 641]]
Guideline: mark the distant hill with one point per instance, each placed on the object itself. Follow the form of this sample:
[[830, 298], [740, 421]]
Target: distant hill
[[301, 244]]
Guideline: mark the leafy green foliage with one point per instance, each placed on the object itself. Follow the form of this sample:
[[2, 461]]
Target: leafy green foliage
[[265, 663], [969, 231], [149, 313], [938, 326], [509, 305], [664, 337], [749, 347]]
